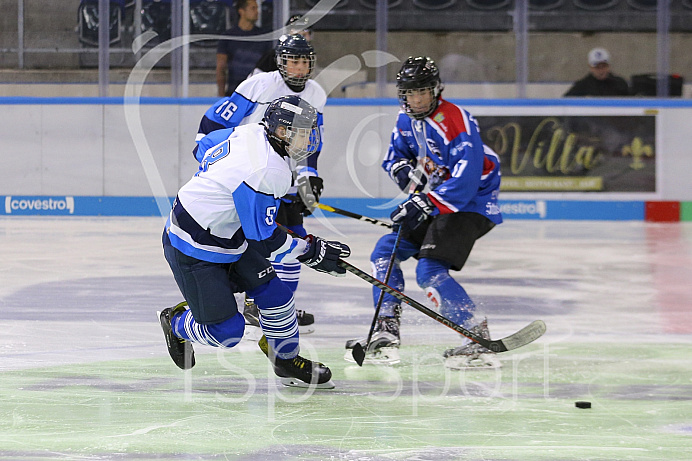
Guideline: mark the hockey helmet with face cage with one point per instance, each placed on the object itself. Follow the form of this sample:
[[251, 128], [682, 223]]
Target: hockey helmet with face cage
[[294, 47], [419, 75], [300, 136]]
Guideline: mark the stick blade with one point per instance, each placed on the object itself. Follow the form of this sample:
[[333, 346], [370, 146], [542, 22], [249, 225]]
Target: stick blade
[[526, 335], [358, 354]]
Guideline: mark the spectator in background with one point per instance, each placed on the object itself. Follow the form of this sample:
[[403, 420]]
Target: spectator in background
[[267, 63], [599, 81], [235, 59]]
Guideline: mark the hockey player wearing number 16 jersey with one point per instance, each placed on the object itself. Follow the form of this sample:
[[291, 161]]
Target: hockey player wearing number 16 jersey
[[295, 59], [222, 236], [440, 227]]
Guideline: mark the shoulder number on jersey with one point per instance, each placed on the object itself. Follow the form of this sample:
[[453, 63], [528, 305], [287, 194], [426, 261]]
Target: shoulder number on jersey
[[212, 157], [226, 110]]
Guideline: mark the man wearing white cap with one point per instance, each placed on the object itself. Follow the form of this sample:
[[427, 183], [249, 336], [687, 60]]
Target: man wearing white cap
[[599, 81]]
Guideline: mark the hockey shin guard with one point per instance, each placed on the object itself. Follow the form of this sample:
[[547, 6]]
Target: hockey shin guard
[[449, 298], [396, 281], [277, 317], [224, 334]]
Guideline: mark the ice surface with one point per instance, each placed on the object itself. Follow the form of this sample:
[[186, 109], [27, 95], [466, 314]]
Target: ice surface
[[84, 372]]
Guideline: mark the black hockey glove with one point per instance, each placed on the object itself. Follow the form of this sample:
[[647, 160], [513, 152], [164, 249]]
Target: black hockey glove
[[323, 255], [402, 172], [413, 211], [309, 190], [317, 186]]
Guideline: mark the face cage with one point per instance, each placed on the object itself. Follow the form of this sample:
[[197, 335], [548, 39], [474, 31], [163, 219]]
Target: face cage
[[422, 113], [296, 147], [295, 81]]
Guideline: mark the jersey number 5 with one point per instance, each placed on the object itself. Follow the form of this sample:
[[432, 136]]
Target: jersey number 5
[[271, 212]]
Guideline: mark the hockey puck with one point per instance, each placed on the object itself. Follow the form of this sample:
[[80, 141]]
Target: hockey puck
[[582, 404]]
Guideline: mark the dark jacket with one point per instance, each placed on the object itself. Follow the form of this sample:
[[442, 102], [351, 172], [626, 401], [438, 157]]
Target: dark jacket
[[242, 55], [590, 86]]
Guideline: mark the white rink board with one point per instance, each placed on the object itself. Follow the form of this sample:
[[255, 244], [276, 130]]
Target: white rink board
[[87, 149]]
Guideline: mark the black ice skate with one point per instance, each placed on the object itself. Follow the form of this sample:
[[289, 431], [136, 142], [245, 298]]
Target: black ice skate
[[305, 322], [471, 354], [251, 314], [384, 344], [298, 371], [181, 351]]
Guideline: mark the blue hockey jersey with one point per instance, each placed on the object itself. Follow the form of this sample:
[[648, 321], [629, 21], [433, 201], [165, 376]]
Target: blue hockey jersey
[[463, 174]]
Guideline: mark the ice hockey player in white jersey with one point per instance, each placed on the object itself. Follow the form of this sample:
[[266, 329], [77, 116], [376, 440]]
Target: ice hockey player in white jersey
[[295, 59], [222, 236]]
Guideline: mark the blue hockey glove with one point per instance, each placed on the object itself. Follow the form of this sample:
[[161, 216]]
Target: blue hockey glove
[[402, 172], [323, 255], [413, 211]]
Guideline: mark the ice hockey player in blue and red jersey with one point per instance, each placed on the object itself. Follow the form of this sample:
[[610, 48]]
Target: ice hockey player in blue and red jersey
[[221, 238], [440, 227], [295, 59]]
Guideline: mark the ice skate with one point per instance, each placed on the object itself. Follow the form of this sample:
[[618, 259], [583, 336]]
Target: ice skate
[[384, 344], [298, 371], [472, 355], [251, 314], [253, 331], [305, 322], [180, 350]]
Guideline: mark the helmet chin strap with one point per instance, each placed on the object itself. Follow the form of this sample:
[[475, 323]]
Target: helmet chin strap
[[278, 144], [295, 88]]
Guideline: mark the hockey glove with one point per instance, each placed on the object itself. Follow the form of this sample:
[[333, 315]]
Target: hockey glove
[[413, 211], [317, 186], [402, 172], [323, 255], [309, 190]]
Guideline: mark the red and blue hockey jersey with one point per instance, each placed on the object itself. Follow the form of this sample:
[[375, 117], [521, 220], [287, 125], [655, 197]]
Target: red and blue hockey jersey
[[463, 174]]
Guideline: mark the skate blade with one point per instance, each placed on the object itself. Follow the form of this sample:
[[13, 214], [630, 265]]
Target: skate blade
[[306, 329], [382, 356], [295, 382], [252, 333], [481, 362]]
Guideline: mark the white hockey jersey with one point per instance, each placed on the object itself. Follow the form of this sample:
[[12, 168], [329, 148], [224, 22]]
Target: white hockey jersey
[[233, 198]]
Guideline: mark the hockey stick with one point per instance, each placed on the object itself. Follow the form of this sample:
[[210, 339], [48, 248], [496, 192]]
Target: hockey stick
[[349, 214], [358, 351], [526, 335]]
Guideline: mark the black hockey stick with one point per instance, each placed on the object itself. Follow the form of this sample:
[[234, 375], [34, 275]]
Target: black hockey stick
[[358, 351], [349, 214], [526, 335]]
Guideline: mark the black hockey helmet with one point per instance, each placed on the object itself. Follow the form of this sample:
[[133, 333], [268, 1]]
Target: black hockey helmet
[[299, 119], [294, 47], [297, 23], [416, 75]]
